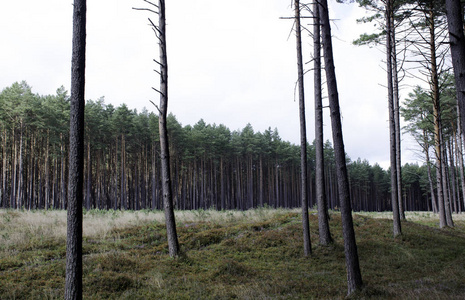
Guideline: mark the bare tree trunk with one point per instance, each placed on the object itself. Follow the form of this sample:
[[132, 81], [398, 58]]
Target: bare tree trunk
[[430, 180], [395, 82], [445, 182], [452, 171], [442, 192], [123, 189], [173, 244], [62, 177], [47, 171], [14, 172], [397, 229], [73, 286], [89, 180], [354, 277], [4, 169], [303, 133], [459, 151], [457, 48], [19, 193], [323, 216]]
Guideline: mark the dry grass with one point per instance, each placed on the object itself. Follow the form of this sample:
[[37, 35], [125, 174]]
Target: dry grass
[[19, 227]]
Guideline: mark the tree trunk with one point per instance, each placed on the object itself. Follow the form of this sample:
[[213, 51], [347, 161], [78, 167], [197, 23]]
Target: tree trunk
[[154, 179], [47, 171], [437, 125], [430, 180], [173, 244], [123, 189], [323, 216], [459, 151], [303, 134], [14, 172], [445, 182], [397, 229], [73, 287], [395, 86], [354, 277], [89, 180], [62, 177], [452, 170], [457, 48], [4, 170], [19, 193]]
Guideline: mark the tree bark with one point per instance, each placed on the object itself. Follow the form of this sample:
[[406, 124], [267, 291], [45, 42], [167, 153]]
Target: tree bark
[[47, 171], [73, 286], [354, 277], [459, 150], [173, 244], [4, 170], [457, 48], [395, 87], [303, 133], [430, 180], [323, 216], [397, 230], [19, 193], [437, 123]]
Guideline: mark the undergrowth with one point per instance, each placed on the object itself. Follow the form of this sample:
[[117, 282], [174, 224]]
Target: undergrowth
[[239, 255]]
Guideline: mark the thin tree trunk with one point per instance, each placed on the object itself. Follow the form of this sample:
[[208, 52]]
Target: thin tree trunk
[[14, 172], [430, 180], [397, 229], [442, 193], [303, 134], [323, 216], [445, 182], [123, 190], [89, 180], [354, 277], [73, 286], [173, 244], [459, 151], [19, 193], [47, 171], [62, 177], [452, 170], [395, 86], [4, 170]]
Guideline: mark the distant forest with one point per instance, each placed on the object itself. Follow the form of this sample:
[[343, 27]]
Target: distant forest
[[212, 166]]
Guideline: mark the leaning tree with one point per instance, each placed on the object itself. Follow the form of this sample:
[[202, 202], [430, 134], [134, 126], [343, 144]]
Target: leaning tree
[[160, 33], [354, 277]]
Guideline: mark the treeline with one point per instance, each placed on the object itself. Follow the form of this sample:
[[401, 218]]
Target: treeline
[[212, 166]]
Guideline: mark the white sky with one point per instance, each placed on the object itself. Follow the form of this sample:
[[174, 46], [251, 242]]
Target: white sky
[[230, 62]]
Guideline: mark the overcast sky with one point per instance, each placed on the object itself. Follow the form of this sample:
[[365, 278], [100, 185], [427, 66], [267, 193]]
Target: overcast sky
[[230, 62]]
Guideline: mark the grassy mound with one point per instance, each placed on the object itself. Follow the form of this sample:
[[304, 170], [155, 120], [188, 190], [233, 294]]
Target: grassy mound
[[246, 255]]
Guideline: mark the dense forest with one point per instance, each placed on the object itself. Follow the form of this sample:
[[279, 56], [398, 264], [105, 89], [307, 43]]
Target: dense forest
[[212, 166]]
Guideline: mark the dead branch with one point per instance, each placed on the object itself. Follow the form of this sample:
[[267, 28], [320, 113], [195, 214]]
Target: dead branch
[[147, 9], [156, 106], [151, 3], [158, 91]]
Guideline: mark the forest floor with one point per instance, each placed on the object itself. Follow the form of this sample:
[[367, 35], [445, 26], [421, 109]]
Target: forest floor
[[257, 254]]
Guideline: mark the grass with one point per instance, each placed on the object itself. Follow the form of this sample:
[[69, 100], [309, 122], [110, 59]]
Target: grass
[[255, 254]]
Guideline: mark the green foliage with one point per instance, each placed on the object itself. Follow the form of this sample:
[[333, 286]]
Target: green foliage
[[417, 111], [369, 39]]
